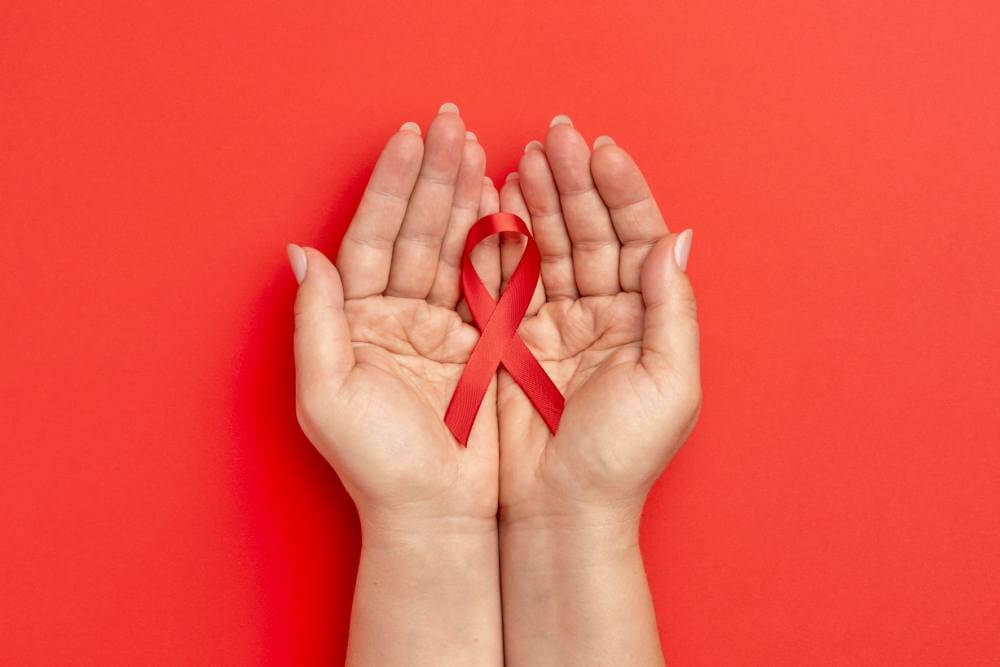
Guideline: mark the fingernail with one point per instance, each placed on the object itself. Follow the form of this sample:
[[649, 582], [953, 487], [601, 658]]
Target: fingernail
[[470, 135], [410, 126], [297, 258], [487, 181], [561, 118], [602, 140], [448, 107], [532, 145], [682, 248], [510, 177]]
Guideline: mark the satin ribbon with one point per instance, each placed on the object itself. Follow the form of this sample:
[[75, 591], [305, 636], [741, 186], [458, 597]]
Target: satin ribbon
[[498, 341]]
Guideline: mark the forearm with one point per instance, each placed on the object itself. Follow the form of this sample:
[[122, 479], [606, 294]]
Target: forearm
[[427, 595], [575, 593]]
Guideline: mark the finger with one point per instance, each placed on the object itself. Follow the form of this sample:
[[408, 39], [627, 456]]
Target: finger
[[446, 289], [486, 255], [366, 250], [512, 245], [542, 200], [595, 245], [634, 213], [415, 253], [323, 351], [670, 335]]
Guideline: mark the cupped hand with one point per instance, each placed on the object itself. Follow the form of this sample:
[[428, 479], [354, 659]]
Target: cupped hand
[[379, 340], [613, 323]]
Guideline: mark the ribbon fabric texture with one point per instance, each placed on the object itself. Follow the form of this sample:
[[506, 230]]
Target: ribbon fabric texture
[[498, 341]]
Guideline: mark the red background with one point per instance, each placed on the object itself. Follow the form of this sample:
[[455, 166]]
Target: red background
[[840, 499]]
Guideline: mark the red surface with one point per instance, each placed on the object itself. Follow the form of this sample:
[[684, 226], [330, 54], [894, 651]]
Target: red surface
[[840, 500]]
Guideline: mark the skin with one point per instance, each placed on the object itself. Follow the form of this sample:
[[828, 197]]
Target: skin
[[379, 347], [381, 339], [613, 324]]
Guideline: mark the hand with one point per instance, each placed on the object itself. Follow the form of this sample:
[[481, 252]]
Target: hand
[[379, 347], [613, 324], [379, 343]]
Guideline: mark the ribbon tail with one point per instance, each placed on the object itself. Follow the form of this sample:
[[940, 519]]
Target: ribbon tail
[[535, 382]]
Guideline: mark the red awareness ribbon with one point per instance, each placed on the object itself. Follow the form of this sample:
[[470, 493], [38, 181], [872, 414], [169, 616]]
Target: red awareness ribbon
[[498, 341]]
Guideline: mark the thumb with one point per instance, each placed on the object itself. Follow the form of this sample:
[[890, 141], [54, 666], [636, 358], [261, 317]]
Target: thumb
[[670, 336], [323, 351]]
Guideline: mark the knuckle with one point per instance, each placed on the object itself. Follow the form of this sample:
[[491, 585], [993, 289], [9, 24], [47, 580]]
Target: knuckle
[[422, 238], [303, 314], [685, 304]]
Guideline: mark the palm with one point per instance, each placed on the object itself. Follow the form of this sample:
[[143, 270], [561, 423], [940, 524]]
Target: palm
[[599, 327], [591, 349], [408, 357], [380, 344]]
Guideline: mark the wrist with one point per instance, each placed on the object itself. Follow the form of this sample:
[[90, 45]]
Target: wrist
[[441, 570], [569, 538], [574, 589], [396, 531], [573, 516]]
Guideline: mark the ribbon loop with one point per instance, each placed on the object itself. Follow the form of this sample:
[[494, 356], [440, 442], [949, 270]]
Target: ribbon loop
[[498, 341]]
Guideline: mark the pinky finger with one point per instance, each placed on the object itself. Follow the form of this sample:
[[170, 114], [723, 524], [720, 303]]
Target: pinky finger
[[512, 246], [486, 256]]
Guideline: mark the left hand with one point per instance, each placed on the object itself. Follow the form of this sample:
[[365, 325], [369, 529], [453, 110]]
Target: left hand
[[613, 323], [380, 344]]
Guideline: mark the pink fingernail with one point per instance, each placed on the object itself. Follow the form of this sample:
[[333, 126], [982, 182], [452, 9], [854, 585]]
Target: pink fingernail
[[561, 119], [297, 258], [448, 107], [410, 126], [532, 145], [602, 141], [682, 248]]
